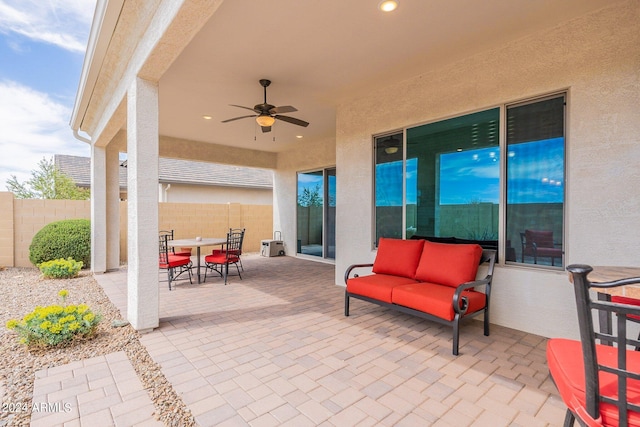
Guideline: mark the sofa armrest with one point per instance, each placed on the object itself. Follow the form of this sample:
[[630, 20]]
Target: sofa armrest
[[352, 267], [457, 296]]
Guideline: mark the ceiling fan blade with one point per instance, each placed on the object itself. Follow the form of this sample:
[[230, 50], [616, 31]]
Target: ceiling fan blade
[[292, 120], [238, 118], [283, 109], [246, 108], [266, 129]]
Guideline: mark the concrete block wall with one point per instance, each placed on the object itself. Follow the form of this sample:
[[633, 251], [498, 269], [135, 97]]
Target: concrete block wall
[[6, 229], [31, 215], [189, 220], [21, 219]]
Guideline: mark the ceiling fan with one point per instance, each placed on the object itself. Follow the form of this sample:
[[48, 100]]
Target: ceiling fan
[[267, 114]]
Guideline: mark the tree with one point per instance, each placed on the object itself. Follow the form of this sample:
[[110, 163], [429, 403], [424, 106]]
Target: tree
[[310, 197], [47, 182]]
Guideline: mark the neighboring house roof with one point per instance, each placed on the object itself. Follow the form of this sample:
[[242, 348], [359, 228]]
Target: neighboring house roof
[[175, 171]]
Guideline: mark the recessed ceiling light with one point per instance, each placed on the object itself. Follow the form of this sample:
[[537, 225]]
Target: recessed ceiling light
[[388, 5], [207, 117], [299, 136]]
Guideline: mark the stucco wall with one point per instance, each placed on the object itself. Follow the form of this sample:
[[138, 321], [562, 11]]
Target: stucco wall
[[595, 57]]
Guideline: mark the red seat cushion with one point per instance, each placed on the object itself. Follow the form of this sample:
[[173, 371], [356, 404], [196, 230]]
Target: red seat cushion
[[435, 299], [566, 365], [398, 257], [221, 258], [448, 264], [175, 261], [376, 286], [629, 301], [223, 251]]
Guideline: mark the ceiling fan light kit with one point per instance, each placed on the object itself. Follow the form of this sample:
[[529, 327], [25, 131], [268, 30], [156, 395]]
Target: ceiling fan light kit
[[267, 114], [265, 120]]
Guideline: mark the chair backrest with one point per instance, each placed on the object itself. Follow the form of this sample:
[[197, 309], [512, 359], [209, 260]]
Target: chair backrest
[[234, 243], [594, 372], [241, 231], [163, 249], [166, 235], [542, 239]]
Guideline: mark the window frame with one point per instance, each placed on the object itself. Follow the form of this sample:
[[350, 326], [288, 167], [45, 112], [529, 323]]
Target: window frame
[[503, 173]]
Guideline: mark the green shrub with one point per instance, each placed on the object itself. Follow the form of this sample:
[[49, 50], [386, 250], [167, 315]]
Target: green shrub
[[65, 239], [60, 268], [55, 324]]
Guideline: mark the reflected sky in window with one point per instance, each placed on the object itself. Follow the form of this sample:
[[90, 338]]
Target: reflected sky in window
[[535, 170]]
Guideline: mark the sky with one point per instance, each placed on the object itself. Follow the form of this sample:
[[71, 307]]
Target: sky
[[42, 46]]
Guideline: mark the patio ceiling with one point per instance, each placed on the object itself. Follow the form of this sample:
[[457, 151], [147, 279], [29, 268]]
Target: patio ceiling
[[319, 53]]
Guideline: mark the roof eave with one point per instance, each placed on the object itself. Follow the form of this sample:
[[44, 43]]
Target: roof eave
[[105, 18]]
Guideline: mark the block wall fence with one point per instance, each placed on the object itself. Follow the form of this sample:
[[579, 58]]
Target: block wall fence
[[21, 219]]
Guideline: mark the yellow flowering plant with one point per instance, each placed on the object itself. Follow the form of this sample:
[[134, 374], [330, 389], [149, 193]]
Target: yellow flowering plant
[[60, 268], [55, 324]]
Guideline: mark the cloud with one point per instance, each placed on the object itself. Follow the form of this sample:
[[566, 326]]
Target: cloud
[[63, 23], [33, 126]]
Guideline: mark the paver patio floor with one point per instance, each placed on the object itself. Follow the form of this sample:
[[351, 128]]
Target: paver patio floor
[[275, 349]]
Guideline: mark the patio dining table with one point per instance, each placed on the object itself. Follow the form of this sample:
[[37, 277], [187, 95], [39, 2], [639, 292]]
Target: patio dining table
[[205, 241], [601, 274]]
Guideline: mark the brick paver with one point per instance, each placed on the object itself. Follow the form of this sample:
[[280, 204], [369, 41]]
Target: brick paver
[[100, 391], [276, 349]]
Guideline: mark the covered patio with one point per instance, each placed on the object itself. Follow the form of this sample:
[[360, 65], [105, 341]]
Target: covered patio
[[276, 349], [163, 78]]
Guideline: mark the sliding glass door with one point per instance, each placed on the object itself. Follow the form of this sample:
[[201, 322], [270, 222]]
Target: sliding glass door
[[316, 213]]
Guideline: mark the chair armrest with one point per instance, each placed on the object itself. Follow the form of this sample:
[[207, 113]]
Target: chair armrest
[[351, 267], [457, 296]]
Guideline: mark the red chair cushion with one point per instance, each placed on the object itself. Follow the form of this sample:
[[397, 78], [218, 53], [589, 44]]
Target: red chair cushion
[[183, 252], [566, 366], [435, 299], [629, 301], [175, 261], [376, 286], [223, 252], [448, 264], [398, 257], [221, 258]]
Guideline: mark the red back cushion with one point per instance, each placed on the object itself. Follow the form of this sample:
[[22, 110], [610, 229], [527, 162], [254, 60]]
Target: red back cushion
[[398, 257], [448, 264]]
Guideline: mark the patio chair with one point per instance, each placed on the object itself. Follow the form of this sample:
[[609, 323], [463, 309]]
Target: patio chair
[[174, 264], [539, 244], [599, 384], [239, 252], [220, 260]]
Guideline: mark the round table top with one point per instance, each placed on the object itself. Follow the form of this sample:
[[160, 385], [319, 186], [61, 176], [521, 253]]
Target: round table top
[[205, 241], [610, 273]]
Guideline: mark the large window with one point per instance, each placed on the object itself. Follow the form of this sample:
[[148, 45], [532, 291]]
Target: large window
[[535, 181], [444, 180], [388, 183], [452, 179]]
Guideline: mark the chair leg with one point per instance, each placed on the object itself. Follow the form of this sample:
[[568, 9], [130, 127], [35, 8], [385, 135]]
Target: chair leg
[[456, 335], [346, 304], [569, 419], [169, 277], [486, 322]]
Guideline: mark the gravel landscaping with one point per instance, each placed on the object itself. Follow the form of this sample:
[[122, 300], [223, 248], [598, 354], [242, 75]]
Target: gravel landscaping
[[21, 290]]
